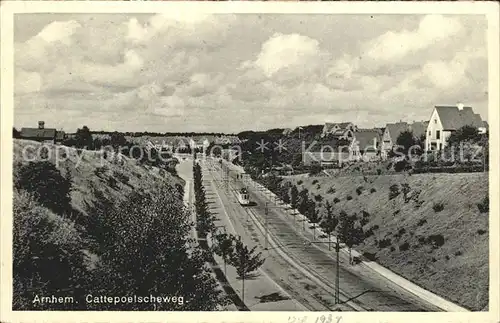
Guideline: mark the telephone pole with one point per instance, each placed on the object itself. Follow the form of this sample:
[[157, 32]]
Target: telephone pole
[[265, 224], [337, 276]]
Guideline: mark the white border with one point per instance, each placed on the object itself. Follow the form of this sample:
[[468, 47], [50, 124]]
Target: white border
[[9, 8]]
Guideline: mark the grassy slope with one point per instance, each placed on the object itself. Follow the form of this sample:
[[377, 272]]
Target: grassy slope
[[85, 179], [462, 278]]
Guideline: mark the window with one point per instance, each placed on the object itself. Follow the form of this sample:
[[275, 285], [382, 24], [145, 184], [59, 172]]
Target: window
[[438, 134], [435, 120], [429, 133], [440, 146]]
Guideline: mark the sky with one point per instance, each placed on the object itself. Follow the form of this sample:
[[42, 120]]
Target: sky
[[235, 72]]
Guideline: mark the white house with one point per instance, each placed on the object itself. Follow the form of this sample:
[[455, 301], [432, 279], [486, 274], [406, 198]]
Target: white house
[[445, 120]]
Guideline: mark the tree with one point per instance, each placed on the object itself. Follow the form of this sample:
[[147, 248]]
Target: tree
[[303, 201], [46, 183], [83, 138], [294, 195], [329, 222], [406, 140], [245, 260], [284, 195], [348, 232], [465, 133], [148, 237], [224, 247], [313, 216], [118, 140]]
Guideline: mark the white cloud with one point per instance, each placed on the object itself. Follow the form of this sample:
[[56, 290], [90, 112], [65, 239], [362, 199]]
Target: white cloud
[[395, 45], [59, 31], [285, 51]]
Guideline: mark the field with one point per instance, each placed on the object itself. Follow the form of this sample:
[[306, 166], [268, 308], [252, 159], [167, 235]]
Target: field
[[435, 236]]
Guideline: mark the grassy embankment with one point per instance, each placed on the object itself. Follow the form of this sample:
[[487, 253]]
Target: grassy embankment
[[406, 232]]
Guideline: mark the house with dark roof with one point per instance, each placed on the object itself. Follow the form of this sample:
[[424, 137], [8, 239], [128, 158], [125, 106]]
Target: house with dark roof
[[445, 120], [419, 128], [343, 130], [391, 134], [366, 144], [42, 134]]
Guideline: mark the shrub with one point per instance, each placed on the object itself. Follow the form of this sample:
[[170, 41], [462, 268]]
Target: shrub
[[484, 206], [447, 257], [438, 207], [370, 256], [375, 227], [99, 171], [331, 190], [112, 182], [392, 248], [396, 212], [359, 190], [363, 222], [373, 190], [384, 243], [365, 214], [121, 177], [368, 233], [47, 185], [458, 253], [404, 246], [379, 171], [481, 231], [300, 182], [336, 200], [437, 240], [421, 222], [401, 165], [393, 191], [349, 197], [318, 198], [433, 259], [315, 181], [318, 187]]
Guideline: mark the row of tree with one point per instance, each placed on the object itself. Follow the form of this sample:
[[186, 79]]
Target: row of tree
[[229, 247], [346, 227]]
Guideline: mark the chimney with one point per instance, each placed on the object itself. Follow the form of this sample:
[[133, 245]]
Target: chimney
[[460, 106], [41, 124]]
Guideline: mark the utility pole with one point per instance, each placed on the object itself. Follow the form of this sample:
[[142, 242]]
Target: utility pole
[[265, 224], [337, 278]]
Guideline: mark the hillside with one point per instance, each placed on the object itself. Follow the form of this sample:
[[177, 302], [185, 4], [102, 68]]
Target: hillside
[[92, 224], [90, 171], [406, 234]]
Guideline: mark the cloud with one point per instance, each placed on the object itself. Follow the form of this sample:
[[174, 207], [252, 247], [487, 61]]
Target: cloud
[[285, 52], [209, 73], [395, 45]]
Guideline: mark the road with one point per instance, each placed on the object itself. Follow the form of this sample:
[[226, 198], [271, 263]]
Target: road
[[292, 246]]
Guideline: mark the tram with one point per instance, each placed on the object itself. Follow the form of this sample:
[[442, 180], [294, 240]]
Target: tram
[[243, 197]]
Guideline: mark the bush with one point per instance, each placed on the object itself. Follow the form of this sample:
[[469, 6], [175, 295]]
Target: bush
[[421, 222], [315, 181], [370, 256], [437, 240], [481, 231], [379, 171], [404, 246], [365, 214], [318, 198], [484, 206], [349, 197], [368, 233], [401, 165], [392, 248], [373, 190], [300, 182], [121, 177], [364, 221], [331, 190], [359, 190], [438, 207], [396, 212], [384, 243], [46, 255], [458, 253], [375, 227], [47, 185], [393, 191], [336, 200]]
